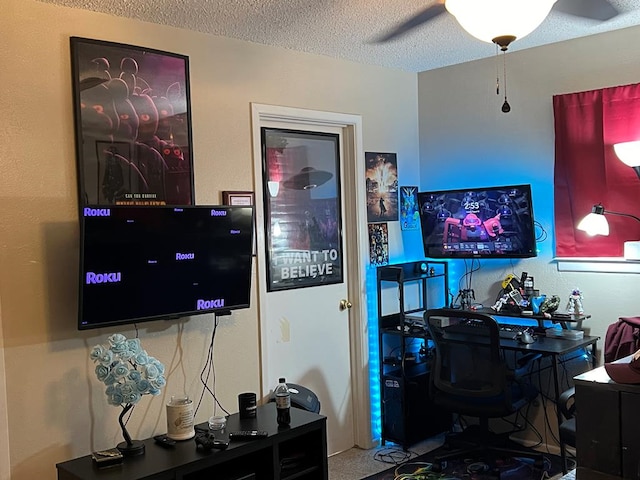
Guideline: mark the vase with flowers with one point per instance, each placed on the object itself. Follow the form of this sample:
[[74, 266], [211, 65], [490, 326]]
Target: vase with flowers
[[129, 373]]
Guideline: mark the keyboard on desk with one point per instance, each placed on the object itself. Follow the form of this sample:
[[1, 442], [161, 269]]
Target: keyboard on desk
[[475, 327]]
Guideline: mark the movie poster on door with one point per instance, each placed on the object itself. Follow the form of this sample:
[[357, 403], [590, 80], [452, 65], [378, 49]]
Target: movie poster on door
[[382, 187], [133, 124], [301, 192]]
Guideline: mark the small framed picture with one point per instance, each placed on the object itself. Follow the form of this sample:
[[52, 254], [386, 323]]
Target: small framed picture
[[237, 198], [240, 199]]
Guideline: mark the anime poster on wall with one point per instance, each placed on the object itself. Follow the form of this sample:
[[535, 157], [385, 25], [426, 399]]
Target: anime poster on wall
[[378, 244], [409, 211], [302, 208], [382, 187], [132, 115]]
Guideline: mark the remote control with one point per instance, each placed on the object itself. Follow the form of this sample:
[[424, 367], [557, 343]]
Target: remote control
[[247, 434], [164, 441]]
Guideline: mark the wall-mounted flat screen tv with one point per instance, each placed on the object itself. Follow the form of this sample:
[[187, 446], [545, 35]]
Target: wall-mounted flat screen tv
[[142, 263], [492, 222]]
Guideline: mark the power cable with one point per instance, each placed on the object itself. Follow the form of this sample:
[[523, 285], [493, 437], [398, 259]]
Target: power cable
[[209, 371]]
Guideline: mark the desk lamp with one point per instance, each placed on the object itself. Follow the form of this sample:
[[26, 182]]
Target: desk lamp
[[595, 223]]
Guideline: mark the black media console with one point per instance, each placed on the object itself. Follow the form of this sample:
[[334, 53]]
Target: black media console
[[296, 452]]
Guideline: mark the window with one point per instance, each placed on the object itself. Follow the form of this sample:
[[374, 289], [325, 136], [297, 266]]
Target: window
[[587, 170]]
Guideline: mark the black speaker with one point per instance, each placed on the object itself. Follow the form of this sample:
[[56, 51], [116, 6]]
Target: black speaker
[[420, 267]]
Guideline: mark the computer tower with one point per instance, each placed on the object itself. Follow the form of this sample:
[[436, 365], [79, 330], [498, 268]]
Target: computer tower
[[408, 416], [405, 291]]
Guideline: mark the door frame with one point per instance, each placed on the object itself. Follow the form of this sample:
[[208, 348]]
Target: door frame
[[355, 238]]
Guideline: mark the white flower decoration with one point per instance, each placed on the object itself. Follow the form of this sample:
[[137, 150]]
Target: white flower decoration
[[127, 370]]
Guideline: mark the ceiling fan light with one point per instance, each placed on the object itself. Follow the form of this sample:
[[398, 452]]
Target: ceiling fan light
[[488, 19], [628, 153]]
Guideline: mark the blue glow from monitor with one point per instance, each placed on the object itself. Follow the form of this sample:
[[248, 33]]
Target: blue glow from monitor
[[441, 178], [373, 339]]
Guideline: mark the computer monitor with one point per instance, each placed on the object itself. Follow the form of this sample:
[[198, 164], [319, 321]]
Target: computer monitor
[[490, 222]]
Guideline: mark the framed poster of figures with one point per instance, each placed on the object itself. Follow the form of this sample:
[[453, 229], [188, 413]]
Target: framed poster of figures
[[382, 187], [133, 124]]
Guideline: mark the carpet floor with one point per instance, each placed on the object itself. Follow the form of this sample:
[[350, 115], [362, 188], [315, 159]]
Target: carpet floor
[[504, 468]]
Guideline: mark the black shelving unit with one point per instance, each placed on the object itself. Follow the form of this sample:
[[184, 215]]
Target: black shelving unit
[[297, 452], [405, 292]]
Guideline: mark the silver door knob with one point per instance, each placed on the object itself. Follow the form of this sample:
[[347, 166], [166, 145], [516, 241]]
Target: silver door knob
[[345, 304]]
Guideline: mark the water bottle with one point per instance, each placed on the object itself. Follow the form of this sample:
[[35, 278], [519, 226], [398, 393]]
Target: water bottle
[[283, 402]]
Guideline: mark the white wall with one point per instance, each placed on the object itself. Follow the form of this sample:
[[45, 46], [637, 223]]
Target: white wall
[[56, 409], [466, 141]]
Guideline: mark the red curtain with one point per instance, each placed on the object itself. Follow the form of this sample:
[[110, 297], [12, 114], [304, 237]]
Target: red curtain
[[587, 170]]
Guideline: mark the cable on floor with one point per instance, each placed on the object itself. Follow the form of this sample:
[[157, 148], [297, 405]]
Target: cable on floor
[[394, 456], [415, 471]]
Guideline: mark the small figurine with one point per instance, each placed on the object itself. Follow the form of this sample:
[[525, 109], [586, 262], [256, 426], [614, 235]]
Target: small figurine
[[512, 300], [550, 305], [502, 301], [575, 302]]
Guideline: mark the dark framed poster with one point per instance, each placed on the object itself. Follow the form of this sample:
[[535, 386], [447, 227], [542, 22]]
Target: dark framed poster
[[409, 211], [382, 187], [302, 208], [133, 124]]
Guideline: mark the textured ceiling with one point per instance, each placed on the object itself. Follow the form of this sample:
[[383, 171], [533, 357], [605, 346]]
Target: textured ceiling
[[347, 28]]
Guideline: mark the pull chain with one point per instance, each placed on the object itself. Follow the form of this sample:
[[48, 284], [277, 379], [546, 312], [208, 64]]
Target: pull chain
[[506, 108], [497, 71]]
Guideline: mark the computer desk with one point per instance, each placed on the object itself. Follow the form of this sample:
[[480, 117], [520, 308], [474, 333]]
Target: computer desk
[[549, 346], [554, 348], [546, 346]]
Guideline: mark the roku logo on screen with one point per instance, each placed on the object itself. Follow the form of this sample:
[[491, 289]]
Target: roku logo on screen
[[185, 256], [218, 213], [209, 304], [97, 212], [103, 277]]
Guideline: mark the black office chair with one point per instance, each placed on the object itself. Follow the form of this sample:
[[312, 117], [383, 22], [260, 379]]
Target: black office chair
[[567, 406], [469, 376]]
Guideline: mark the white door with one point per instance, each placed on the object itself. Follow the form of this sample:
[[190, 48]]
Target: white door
[[309, 335]]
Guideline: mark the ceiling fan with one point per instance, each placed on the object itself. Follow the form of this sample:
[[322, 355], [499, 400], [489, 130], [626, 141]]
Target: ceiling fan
[[502, 21]]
